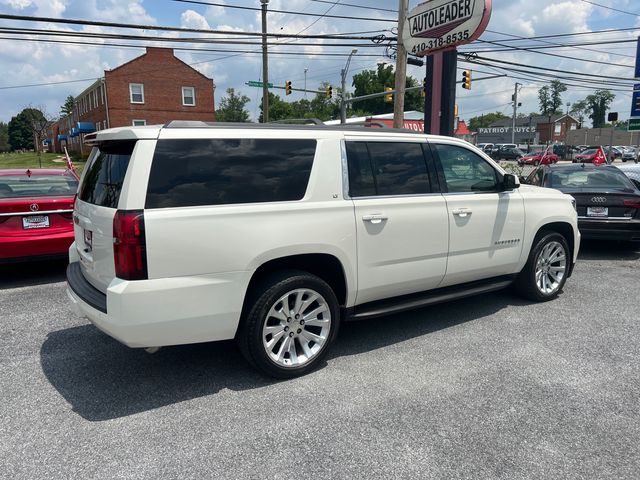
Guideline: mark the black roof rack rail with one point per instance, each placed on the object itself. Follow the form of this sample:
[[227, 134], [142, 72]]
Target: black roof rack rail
[[358, 126], [299, 121]]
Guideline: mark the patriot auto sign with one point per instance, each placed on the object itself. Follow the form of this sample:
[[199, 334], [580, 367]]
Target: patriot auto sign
[[443, 24]]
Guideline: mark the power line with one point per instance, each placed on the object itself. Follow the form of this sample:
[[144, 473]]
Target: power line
[[557, 44], [319, 18], [368, 7], [177, 29], [557, 55], [574, 34], [611, 8], [224, 41], [72, 42], [608, 77], [288, 12]]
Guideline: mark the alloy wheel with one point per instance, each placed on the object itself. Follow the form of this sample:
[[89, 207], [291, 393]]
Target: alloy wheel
[[296, 328], [551, 267]]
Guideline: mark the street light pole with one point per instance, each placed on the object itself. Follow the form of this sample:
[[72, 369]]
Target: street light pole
[[265, 65], [343, 74]]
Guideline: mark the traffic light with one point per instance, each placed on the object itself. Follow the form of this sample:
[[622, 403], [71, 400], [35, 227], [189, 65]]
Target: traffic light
[[389, 96], [287, 87], [466, 79], [328, 91], [424, 87]]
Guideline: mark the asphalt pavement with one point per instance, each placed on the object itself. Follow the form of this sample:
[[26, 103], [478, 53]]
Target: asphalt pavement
[[485, 387]]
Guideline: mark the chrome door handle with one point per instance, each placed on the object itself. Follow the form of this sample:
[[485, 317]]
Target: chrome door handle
[[374, 218], [462, 212]]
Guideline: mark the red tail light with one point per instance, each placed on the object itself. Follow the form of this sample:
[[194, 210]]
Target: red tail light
[[129, 245], [632, 203]]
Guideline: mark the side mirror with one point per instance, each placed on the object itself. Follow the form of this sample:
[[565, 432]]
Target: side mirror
[[509, 182]]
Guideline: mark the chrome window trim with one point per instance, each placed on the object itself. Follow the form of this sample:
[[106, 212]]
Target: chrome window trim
[[43, 212], [345, 169]]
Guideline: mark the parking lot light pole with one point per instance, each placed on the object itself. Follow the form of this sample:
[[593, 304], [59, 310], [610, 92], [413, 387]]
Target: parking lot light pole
[[343, 73]]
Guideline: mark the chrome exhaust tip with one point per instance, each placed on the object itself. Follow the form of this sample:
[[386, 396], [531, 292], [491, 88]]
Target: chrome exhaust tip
[[151, 350]]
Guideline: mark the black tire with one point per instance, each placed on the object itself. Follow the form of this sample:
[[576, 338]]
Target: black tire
[[263, 297], [526, 284]]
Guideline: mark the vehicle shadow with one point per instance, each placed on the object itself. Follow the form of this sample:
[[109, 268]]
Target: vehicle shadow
[[103, 379], [25, 274], [608, 250]]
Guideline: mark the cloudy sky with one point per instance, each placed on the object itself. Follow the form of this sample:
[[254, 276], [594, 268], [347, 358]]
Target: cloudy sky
[[26, 63]]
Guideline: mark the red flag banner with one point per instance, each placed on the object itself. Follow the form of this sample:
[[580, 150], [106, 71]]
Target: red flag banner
[[600, 157]]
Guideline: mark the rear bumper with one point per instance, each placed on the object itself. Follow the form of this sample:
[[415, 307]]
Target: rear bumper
[[161, 312], [625, 230], [33, 246]]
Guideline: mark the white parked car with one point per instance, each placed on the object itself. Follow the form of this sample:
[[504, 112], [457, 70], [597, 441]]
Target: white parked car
[[273, 235]]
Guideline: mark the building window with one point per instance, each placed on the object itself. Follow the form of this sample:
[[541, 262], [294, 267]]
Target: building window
[[136, 92], [139, 123], [189, 96]]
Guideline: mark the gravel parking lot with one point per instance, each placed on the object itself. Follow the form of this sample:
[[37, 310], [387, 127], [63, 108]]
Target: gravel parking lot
[[486, 387]]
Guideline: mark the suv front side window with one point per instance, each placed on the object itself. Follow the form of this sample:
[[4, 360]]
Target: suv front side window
[[465, 171]]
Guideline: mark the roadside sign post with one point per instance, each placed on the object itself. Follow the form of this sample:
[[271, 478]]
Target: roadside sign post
[[634, 118], [434, 29]]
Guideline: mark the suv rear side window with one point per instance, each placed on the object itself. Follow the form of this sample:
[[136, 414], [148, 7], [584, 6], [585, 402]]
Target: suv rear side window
[[188, 173], [387, 168], [103, 180]]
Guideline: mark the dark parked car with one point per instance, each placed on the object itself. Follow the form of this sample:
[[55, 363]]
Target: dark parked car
[[511, 153], [608, 203]]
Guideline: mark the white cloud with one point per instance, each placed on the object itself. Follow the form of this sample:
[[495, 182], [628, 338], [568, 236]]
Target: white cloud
[[191, 19]]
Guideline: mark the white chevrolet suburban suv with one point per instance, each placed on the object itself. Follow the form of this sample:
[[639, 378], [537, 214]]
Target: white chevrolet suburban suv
[[274, 234]]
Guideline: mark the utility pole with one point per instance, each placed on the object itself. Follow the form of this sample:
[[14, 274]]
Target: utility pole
[[515, 113], [401, 68], [265, 65]]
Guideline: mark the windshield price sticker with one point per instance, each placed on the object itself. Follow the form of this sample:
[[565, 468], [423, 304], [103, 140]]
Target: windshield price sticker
[[441, 24]]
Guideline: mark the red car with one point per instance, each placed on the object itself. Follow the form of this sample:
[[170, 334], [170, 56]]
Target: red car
[[587, 156], [538, 158], [36, 208]]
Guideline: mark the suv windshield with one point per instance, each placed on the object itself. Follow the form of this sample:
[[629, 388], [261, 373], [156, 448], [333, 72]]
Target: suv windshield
[[103, 180]]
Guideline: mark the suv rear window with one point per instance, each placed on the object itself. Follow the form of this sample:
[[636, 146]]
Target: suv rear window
[[103, 180], [189, 173], [387, 168], [20, 186]]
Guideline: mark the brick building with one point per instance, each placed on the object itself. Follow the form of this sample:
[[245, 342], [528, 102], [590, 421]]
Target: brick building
[[538, 129], [153, 88]]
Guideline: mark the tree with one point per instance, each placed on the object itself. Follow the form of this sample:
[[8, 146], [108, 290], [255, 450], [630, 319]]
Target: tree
[[28, 129], [598, 103], [483, 121], [4, 137], [544, 98], [375, 81], [19, 131], [232, 107], [556, 90], [67, 107], [580, 109], [278, 109], [550, 97]]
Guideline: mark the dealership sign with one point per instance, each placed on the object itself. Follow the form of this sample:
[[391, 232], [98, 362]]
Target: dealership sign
[[443, 24], [490, 130]]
